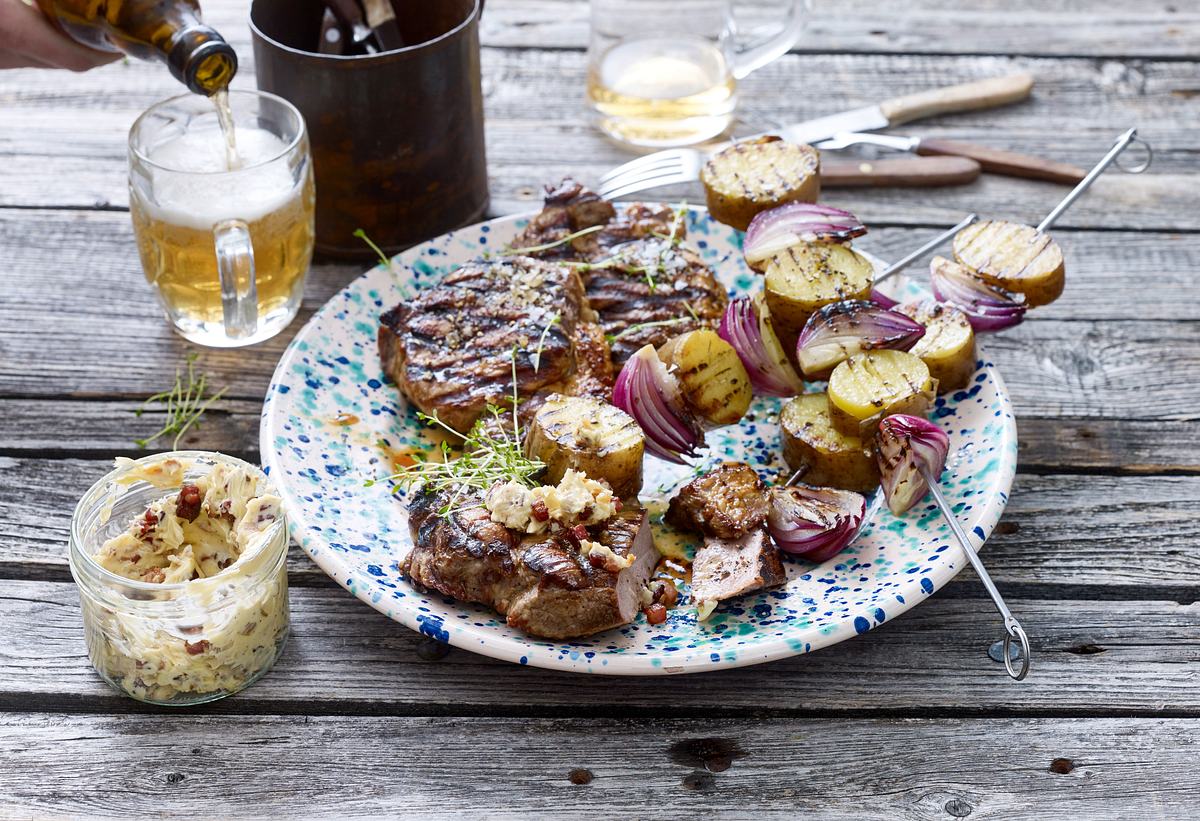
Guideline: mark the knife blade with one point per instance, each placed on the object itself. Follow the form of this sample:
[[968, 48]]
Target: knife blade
[[989, 93]]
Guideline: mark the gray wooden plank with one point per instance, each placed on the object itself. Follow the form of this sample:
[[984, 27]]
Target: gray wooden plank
[[338, 767], [1059, 27], [77, 123], [1090, 658], [1063, 531]]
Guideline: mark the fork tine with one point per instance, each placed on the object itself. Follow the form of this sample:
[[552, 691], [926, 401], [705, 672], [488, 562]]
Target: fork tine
[[612, 192], [669, 165], [641, 162]]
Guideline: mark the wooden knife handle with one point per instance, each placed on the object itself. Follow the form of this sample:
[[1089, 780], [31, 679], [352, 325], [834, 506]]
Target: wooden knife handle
[[917, 172], [990, 93], [1009, 163]]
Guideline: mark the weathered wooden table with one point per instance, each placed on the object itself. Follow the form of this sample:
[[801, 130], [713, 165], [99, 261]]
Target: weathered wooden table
[[1097, 551]]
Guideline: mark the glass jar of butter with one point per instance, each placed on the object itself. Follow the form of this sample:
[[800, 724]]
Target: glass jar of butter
[[180, 560]]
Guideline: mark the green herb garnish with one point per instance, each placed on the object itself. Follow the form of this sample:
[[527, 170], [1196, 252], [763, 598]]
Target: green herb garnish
[[583, 232], [185, 404], [491, 453], [384, 259], [537, 356], [614, 337]]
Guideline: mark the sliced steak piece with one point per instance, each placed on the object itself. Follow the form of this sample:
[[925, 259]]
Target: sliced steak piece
[[725, 503], [725, 568], [541, 583], [557, 594], [651, 294], [568, 207], [450, 348]]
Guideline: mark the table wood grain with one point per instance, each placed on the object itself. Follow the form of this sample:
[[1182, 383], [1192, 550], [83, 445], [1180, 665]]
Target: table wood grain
[[361, 717]]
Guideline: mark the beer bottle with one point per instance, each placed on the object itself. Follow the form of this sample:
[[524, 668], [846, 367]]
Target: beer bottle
[[167, 30]]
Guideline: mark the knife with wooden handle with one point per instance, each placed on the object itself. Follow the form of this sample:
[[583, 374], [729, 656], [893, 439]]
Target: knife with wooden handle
[[913, 172], [1008, 163]]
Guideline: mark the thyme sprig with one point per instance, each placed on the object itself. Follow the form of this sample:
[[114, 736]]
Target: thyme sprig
[[639, 326], [385, 261], [185, 403]]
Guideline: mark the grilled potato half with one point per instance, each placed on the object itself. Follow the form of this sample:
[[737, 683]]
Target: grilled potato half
[[712, 376], [810, 276], [1014, 257], [948, 347], [827, 456], [590, 436], [754, 175], [874, 384]]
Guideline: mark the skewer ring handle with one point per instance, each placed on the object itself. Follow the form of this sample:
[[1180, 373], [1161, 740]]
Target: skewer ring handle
[[1014, 630], [1138, 167]]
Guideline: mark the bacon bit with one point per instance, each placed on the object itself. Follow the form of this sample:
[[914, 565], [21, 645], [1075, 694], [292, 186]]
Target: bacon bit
[[656, 614], [579, 532], [597, 561], [198, 647], [154, 575], [187, 503], [148, 523], [539, 511], [617, 505], [666, 594], [587, 512]]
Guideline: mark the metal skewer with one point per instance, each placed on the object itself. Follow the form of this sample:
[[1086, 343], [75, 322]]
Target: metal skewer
[[1012, 628], [901, 264], [1123, 142]]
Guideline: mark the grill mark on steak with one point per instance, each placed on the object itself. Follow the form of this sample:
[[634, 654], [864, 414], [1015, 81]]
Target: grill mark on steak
[[450, 348], [540, 583]]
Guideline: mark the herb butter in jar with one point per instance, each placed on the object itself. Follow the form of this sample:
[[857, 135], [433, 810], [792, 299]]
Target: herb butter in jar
[[180, 561]]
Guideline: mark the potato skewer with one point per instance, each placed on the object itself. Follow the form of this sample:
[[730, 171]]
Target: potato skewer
[[1122, 142], [912, 455]]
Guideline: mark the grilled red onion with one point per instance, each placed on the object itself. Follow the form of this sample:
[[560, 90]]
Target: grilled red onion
[[987, 308], [793, 223], [814, 522], [880, 298], [904, 447], [746, 326], [842, 329], [648, 392]]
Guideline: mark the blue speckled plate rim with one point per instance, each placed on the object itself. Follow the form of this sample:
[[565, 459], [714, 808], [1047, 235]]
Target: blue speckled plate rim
[[507, 649]]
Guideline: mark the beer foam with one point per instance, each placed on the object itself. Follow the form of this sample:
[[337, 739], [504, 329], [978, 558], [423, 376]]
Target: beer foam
[[200, 197]]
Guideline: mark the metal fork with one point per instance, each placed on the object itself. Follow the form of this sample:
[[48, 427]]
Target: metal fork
[[669, 167]]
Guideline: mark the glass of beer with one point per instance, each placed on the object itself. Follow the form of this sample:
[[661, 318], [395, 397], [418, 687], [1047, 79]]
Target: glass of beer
[[222, 200], [664, 72]]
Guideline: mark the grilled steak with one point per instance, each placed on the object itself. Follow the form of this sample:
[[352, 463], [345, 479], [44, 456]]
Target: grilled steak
[[450, 348], [724, 568], [541, 583], [726, 503], [641, 275]]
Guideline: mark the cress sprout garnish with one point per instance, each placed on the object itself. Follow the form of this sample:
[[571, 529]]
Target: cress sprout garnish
[[185, 404], [491, 453]]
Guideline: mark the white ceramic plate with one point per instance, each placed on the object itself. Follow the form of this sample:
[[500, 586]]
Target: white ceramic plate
[[332, 421]]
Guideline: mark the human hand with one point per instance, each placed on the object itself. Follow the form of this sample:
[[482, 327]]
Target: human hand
[[28, 39]]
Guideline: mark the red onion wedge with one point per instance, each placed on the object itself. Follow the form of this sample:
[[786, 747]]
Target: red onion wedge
[[906, 447], [650, 393], [746, 326], [814, 522], [880, 298], [987, 308], [793, 223], [839, 330]]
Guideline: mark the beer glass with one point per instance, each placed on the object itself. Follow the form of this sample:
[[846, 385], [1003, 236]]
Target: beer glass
[[664, 72], [226, 240]]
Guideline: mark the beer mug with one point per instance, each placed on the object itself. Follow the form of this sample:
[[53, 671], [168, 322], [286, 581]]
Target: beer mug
[[224, 226], [664, 72]]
